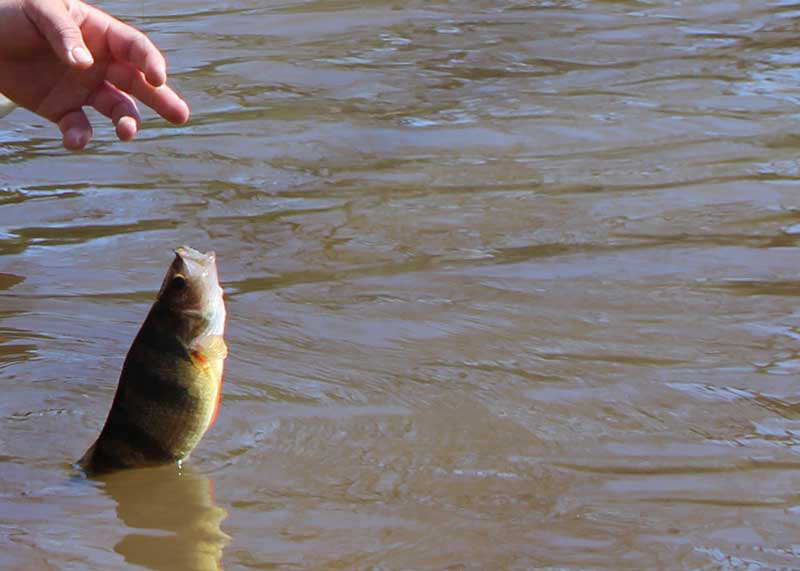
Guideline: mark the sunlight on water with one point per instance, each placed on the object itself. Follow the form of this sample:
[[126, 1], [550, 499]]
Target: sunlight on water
[[510, 286]]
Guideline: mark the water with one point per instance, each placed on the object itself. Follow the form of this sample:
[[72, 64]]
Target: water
[[510, 286]]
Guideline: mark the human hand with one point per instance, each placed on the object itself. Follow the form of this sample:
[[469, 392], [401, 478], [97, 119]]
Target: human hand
[[57, 56]]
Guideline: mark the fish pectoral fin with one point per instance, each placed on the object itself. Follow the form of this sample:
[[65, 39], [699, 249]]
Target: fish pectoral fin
[[209, 347]]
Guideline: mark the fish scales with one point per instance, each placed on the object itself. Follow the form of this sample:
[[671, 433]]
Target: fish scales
[[169, 387]]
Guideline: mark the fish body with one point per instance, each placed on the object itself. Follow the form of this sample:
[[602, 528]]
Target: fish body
[[169, 388]]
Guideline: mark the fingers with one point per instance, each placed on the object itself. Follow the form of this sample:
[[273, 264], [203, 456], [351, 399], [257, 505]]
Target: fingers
[[127, 44], [114, 99], [120, 108], [78, 33], [58, 21], [58, 26], [162, 99], [111, 102], [75, 130]]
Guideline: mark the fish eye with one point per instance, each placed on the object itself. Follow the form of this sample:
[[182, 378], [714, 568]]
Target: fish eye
[[178, 282]]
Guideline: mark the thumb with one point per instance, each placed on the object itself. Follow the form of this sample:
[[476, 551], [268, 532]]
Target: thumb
[[56, 24]]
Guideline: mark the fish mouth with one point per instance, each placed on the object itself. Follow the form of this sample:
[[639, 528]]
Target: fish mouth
[[202, 269], [199, 267], [197, 263]]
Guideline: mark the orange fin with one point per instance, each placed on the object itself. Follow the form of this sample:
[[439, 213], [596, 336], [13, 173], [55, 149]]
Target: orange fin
[[212, 347], [208, 354]]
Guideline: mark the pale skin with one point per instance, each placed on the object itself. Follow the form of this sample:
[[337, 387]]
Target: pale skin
[[58, 56]]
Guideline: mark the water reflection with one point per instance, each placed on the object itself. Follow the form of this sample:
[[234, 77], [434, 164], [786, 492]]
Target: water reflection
[[168, 499]]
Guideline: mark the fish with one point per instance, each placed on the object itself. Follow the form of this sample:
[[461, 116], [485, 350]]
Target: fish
[[170, 384]]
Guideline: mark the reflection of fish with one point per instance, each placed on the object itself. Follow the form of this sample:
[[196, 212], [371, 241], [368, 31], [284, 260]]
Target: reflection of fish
[[178, 501], [169, 388]]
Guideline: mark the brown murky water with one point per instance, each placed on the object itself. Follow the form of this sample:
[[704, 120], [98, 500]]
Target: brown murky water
[[511, 286]]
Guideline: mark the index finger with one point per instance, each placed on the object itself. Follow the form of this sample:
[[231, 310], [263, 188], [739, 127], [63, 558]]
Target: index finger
[[127, 44]]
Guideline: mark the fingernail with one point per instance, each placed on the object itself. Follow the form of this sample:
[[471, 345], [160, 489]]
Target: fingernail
[[82, 56], [126, 128], [75, 138]]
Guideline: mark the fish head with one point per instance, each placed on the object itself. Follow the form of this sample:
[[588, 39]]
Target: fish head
[[192, 294]]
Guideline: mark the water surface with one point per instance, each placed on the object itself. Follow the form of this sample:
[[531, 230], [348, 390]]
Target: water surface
[[510, 286]]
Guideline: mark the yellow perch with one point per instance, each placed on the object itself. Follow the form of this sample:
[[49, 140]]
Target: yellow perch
[[169, 388]]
